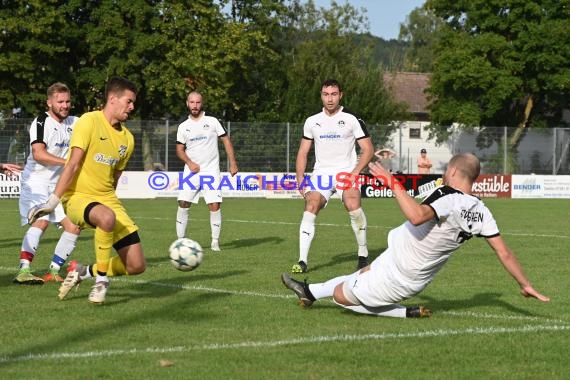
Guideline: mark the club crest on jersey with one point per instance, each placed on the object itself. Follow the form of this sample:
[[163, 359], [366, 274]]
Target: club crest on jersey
[[205, 126], [69, 129], [122, 150], [341, 123]]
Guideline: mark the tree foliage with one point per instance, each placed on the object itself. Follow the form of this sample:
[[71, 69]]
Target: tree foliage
[[501, 63], [328, 45], [421, 33], [252, 59], [31, 40]]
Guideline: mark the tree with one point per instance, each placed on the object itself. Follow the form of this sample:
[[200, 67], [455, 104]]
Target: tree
[[328, 45], [33, 36], [249, 64], [166, 47], [257, 79], [420, 31], [501, 63]]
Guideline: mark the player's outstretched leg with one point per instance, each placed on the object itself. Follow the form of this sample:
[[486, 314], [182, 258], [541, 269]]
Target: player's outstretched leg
[[418, 312], [301, 289]]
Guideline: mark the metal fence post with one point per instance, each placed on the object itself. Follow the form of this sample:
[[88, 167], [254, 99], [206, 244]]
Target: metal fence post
[[505, 150], [230, 136], [166, 146], [288, 145], [400, 134], [554, 130]]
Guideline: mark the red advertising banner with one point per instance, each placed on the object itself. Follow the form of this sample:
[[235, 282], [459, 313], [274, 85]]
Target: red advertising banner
[[486, 186], [492, 186]]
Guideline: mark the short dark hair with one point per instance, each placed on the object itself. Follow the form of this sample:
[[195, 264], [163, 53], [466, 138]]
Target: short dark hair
[[116, 85], [331, 83]]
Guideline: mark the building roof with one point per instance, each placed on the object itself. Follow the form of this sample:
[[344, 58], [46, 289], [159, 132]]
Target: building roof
[[409, 88]]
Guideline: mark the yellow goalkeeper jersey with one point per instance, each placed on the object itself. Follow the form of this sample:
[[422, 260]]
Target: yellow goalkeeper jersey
[[106, 150]]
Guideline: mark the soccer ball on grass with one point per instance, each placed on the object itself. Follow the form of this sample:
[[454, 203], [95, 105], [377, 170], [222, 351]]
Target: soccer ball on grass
[[185, 254]]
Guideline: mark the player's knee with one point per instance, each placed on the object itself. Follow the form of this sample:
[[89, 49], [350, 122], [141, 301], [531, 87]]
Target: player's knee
[[351, 200], [352, 204], [184, 204], [136, 268], [41, 224], [73, 229], [214, 206], [107, 222], [70, 227], [101, 216], [338, 294], [313, 206]]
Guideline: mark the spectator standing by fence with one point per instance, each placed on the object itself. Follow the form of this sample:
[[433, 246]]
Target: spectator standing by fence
[[424, 163]]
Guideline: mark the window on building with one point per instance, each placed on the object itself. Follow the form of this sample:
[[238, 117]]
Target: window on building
[[415, 133]]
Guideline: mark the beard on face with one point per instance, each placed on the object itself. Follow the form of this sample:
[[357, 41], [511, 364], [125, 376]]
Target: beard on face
[[60, 114]]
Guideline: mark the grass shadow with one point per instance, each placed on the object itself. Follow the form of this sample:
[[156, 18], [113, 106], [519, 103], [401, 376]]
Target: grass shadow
[[177, 310], [476, 301], [344, 257], [251, 242]]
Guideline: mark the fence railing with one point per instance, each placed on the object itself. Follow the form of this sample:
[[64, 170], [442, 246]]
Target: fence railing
[[272, 147]]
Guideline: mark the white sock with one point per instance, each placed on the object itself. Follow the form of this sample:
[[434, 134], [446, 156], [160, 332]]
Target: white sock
[[216, 224], [306, 235], [394, 311], [182, 215], [30, 245], [326, 289], [100, 278], [359, 225], [87, 274], [63, 249], [32, 239]]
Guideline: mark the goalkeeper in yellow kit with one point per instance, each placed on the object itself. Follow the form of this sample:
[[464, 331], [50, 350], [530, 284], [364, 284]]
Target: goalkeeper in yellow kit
[[100, 146]]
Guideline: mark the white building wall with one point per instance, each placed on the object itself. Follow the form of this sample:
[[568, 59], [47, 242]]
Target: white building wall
[[407, 145], [539, 151]]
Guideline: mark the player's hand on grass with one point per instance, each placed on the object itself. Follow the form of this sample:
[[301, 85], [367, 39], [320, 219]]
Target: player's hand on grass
[[529, 291], [42, 209]]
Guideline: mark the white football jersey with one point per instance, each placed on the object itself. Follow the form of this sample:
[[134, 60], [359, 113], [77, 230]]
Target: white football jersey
[[55, 136], [200, 138], [421, 251], [334, 137]]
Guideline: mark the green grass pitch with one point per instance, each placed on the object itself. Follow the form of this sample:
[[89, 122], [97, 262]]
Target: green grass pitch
[[232, 318]]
